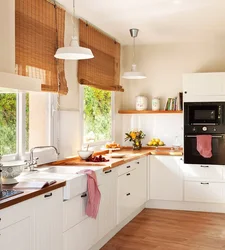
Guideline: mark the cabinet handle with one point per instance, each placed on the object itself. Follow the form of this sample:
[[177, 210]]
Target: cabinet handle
[[202, 166], [128, 174], [107, 172], [204, 183], [48, 195], [138, 162], [128, 166], [83, 195], [128, 194]]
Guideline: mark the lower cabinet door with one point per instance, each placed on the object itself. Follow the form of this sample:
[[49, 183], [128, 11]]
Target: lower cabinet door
[[82, 236], [108, 204], [203, 191], [17, 236]]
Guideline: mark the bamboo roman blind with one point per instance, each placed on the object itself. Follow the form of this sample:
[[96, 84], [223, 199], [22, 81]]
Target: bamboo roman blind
[[39, 31], [103, 71]]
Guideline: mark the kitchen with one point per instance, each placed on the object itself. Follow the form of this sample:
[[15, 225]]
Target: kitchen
[[164, 64]]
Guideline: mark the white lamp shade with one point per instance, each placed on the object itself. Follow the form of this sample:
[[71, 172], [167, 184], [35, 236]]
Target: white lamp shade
[[73, 52], [133, 74]]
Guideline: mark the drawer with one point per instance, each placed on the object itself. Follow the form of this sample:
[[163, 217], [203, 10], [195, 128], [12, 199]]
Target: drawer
[[204, 191], [104, 176], [74, 211], [125, 168], [126, 183], [204, 171], [15, 213]]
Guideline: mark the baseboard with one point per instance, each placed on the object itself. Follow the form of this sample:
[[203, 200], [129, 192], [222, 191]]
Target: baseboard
[[189, 206], [105, 239]]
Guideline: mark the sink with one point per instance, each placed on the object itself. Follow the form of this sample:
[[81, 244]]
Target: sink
[[76, 183], [68, 170]]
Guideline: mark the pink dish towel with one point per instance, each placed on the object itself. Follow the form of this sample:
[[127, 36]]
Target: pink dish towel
[[94, 195], [204, 145]]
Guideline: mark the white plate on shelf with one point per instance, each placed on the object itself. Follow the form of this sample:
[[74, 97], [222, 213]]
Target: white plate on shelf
[[116, 155]]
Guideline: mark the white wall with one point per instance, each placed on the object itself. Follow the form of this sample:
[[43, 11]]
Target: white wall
[[163, 65]]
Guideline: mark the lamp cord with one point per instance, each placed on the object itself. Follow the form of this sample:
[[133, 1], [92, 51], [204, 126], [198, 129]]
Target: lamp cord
[[133, 50], [73, 17]]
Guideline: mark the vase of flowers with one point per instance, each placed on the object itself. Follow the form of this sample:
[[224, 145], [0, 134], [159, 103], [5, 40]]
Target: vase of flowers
[[135, 137]]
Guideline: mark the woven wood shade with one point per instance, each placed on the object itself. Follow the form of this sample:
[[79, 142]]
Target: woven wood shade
[[103, 71], [37, 42]]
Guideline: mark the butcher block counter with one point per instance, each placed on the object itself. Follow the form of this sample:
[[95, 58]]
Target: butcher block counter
[[129, 153]]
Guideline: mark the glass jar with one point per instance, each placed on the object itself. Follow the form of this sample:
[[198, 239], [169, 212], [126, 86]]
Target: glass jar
[[155, 104]]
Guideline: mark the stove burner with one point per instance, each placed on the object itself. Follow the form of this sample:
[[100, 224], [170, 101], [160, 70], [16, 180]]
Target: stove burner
[[5, 193]]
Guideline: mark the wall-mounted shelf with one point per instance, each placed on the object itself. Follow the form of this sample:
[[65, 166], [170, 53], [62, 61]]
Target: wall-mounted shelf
[[150, 112]]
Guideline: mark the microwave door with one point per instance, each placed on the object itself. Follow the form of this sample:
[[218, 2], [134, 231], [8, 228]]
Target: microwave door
[[192, 156]]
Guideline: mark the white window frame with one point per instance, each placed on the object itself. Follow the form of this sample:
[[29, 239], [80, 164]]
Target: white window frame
[[99, 143], [21, 153]]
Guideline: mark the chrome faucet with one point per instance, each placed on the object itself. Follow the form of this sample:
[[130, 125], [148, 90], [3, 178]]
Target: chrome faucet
[[32, 162]]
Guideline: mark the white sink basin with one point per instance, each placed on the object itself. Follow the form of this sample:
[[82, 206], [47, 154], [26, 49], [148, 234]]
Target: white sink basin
[[76, 183]]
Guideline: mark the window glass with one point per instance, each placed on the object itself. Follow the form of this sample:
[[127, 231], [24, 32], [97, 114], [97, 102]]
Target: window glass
[[97, 115], [8, 123]]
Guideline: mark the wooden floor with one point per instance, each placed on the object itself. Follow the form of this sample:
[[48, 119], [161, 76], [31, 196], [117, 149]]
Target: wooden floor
[[171, 230]]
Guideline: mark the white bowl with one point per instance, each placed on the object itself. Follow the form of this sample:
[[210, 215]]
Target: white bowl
[[84, 154], [10, 170]]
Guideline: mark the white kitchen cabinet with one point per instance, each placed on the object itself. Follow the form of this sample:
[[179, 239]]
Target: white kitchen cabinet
[[49, 221], [202, 191], [17, 236], [82, 236], [166, 179], [108, 206], [17, 227], [204, 86], [132, 191]]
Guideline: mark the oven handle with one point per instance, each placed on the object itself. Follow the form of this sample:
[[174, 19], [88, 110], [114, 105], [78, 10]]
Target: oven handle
[[213, 136]]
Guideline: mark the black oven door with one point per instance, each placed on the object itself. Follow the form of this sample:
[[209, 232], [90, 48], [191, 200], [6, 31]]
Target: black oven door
[[192, 156]]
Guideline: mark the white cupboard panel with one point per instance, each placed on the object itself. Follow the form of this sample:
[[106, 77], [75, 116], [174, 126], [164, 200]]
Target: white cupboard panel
[[203, 191], [166, 179]]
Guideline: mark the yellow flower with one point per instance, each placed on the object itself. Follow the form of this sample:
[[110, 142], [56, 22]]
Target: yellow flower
[[133, 135]]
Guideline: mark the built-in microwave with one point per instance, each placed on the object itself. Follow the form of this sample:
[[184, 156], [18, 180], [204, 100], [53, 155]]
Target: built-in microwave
[[204, 117]]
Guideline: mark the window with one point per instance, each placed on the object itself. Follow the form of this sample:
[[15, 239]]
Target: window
[[97, 111], [25, 122]]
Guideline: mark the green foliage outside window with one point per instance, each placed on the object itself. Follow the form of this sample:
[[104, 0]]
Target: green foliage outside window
[[7, 123], [97, 115]]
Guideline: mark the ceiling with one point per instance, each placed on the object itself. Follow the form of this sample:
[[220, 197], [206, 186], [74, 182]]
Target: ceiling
[[159, 21]]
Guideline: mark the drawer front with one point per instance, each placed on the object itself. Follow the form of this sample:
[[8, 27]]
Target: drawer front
[[126, 182], [213, 172], [74, 211], [104, 176], [203, 191], [15, 213], [125, 168]]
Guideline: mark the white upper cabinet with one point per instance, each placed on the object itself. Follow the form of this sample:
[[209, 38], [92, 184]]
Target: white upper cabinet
[[166, 179], [204, 87]]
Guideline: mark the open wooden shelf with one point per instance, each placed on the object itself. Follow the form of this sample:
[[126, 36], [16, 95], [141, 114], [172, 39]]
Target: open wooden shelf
[[150, 112]]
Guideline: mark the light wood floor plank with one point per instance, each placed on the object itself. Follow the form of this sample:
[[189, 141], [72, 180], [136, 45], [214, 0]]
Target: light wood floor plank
[[155, 229]]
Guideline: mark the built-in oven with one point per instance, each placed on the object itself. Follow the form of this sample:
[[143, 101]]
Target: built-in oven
[[192, 156]]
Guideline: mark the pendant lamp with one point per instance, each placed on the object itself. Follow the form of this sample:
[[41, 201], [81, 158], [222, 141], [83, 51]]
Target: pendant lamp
[[74, 51], [133, 74]]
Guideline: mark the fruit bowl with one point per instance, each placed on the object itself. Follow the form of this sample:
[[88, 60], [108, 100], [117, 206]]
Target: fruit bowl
[[155, 142]]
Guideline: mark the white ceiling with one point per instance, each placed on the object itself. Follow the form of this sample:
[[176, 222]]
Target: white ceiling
[[159, 21]]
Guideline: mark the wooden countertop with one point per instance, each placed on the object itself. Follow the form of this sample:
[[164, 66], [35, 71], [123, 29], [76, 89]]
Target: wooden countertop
[[27, 194], [130, 155]]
